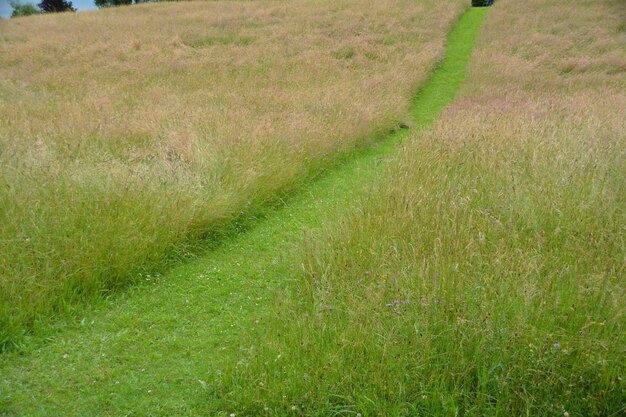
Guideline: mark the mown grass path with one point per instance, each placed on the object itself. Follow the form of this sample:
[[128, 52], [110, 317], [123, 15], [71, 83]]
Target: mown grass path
[[156, 348]]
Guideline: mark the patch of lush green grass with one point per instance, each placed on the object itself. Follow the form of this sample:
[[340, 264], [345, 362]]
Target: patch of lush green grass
[[158, 348], [162, 348]]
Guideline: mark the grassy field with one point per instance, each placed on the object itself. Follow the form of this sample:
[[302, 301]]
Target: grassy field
[[472, 265], [164, 348], [483, 275], [127, 135]]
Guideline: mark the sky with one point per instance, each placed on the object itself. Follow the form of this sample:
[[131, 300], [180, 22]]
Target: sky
[[5, 9]]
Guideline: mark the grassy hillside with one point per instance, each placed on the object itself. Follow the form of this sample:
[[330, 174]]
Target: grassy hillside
[[484, 274], [161, 348], [475, 270], [126, 134]]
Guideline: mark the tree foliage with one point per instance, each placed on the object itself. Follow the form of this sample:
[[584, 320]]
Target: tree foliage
[[482, 3], [56, 6], [113, 3], [22, 9]]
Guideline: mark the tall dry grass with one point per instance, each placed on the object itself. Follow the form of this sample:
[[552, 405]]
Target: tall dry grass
[[484, 275], [126, 132]]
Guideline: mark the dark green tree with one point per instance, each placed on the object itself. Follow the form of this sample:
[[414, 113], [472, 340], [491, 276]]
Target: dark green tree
[[113, 3], [56, 6], [482, 3], [22, 9]]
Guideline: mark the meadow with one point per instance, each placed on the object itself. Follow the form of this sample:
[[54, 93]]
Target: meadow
[[471, 264], [483, 274], [129, 135]]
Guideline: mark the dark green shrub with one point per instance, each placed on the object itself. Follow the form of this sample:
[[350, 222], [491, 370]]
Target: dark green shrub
[[482, 3], [56, 6]]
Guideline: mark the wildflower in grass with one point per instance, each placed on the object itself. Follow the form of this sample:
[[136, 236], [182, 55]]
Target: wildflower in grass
[[556, 345]]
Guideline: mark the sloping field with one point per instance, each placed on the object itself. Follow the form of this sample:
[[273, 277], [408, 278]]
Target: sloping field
[[484, 275], [165, 348], [475, 270], [126, 134]]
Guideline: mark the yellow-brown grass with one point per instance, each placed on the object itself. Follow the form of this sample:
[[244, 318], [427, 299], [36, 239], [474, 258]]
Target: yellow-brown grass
[[125, 132]]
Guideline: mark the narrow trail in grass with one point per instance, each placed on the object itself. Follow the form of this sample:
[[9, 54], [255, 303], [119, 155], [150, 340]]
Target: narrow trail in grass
[[155, 349]]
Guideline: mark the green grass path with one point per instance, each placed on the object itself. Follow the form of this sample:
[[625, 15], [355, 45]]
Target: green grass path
[[155, 349]]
